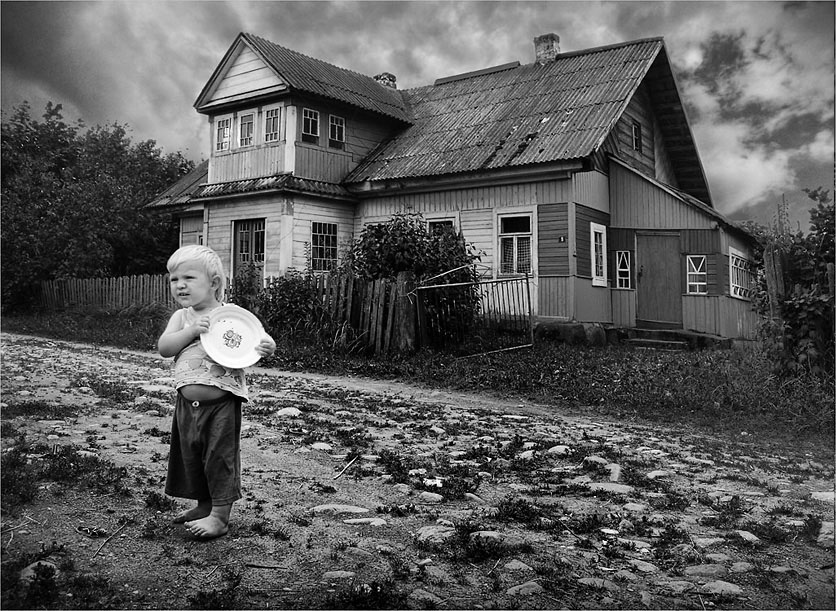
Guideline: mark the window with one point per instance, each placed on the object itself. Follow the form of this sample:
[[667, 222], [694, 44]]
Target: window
[[598, 251], [271, 124], [623, 279], [697, 275], [637, 136], [440, 225], [249, 243], [336, 132], [515, 244], [310, 125], [246, 122], [323, 246], [222, 135], [740, 275]]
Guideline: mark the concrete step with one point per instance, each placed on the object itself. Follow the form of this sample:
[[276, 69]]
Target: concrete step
[[657, 344]]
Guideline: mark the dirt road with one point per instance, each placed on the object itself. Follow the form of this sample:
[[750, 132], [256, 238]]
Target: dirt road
[[365, 494]]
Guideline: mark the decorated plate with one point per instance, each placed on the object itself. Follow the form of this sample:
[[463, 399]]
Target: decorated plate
[[232, 337]]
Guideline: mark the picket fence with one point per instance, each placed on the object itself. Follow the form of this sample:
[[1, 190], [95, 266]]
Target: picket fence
[[381, 312]]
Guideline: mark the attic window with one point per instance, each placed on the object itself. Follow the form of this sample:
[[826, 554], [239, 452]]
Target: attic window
[[336, 132], [246, 129], [637, 137], [222, 139], [310, 125], [271, 124]]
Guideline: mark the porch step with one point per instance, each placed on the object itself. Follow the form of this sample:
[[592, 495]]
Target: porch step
[[657, 344]]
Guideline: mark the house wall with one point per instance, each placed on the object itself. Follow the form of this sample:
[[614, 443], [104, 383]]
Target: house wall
[[307, 210], [247, 74]]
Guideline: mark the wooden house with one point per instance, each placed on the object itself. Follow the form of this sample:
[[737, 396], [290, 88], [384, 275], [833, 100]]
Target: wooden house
[[579, 169]]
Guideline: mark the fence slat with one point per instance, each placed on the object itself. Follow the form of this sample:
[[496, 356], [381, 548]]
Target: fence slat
[[104, 293]]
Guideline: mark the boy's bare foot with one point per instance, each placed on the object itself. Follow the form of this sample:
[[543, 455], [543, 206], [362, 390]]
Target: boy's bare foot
[[196, 513], [208, 528], [216, 524]]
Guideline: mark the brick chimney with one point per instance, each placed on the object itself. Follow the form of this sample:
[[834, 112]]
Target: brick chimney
[[546, 48], [387, 79]]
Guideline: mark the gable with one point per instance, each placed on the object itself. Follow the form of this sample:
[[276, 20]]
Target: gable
[[242, 75]]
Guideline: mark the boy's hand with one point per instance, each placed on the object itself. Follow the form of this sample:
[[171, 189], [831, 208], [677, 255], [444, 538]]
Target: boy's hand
[[200, 326], [266, 346]]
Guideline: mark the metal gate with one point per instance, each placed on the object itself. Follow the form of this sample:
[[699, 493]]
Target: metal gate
[[474, 318]]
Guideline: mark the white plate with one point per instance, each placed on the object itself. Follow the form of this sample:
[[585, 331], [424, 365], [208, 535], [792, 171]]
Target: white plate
[[232, 337]]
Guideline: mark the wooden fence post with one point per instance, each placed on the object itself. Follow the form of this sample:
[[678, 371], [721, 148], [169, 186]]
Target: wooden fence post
[[406, 312]]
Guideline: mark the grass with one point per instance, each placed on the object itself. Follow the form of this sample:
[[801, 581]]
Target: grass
[[728, 391]]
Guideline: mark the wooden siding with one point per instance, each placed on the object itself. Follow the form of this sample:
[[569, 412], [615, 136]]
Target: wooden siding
[[592, 189], [477, 227], [638, 110], [719, 315], [247, 73], [552, 227], [639, 204], [583, 248], [306, 211], [319, 163], [252, 162], [623, 307], [222, 215], [664, 171], [592, 303], [555, 297]]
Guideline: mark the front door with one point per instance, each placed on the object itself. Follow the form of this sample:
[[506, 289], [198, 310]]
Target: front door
[[659, 282]]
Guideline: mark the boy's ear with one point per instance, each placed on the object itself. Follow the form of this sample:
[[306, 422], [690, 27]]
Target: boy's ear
[[216, 281]]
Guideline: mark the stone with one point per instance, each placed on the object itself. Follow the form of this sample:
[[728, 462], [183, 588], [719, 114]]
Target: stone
[[825, 537], [337, 509], [634, 507], [675, 587], [28, 574], [611, 487], [525, 589], [487, 536], [644, 567], [722, 588], [658, 474], [827, 496], [718, 558], [430, 497], [474, 498], [434, 535], [516, 565], [366, 521], [594, 462], [625, 575], [402, 488], [421, 599], [705, 570], [559, 450], [527, 455], [742, 567], [615, 471], [321, 446], [748, 537], [289, 412], [703, 542], [335, 575]]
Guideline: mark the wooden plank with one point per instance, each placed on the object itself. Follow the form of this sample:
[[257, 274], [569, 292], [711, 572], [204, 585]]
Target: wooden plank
[[392, 306]]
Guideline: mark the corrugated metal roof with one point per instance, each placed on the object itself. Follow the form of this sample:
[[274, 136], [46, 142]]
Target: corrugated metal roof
[[182, 190], [282, 182], [533, 113], [315, 76]]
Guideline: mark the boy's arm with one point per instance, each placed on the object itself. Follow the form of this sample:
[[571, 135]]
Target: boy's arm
[[266, 346], [175, 338]]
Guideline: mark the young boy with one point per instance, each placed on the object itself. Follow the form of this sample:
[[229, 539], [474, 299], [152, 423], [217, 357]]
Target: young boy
[[205, 459]]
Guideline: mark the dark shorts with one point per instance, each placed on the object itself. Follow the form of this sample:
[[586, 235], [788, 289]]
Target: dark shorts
[[205, 457]]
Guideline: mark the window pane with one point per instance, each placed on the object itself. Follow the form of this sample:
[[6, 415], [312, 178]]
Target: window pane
[[323, 246], [506, 263], [246, 135], [222, 137], [515, 224], [271, 125], [523, 255]]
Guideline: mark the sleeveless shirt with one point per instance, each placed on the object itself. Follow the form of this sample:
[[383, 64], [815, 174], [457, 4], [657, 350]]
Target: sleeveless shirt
[[193, 366]]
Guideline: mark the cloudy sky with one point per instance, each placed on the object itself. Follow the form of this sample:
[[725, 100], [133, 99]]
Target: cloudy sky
[[757, 77]]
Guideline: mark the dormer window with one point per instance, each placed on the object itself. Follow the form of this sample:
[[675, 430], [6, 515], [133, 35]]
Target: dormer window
[[246, 123], [271, 124], [336, 132], [222, 137], [637, 137], [310, 125]]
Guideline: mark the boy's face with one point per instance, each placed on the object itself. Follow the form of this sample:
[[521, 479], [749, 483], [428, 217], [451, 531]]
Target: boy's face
[[191, 286]]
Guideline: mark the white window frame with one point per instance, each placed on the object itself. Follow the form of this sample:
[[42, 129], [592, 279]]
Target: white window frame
[[739, 270], [623, 270], [272, 115], [324, 243], [336, 132], [696, 274], [598, 254], [516, 239], [249, 241], [310, 119], [222, 144], [248, 140]]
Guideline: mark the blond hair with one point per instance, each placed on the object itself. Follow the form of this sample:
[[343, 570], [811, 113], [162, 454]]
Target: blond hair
[[204, 256]]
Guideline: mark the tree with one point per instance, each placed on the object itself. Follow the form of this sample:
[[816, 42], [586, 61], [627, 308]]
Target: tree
[[73, 202]]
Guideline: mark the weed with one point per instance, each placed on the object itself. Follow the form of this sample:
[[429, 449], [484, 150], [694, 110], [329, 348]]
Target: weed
[[159, 502], [17, 477], [729, 512], [375, 595], [223, 597], [37, 410], [399, 511]]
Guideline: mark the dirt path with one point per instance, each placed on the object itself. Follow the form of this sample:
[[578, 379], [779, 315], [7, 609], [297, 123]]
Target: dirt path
[[370, 494]]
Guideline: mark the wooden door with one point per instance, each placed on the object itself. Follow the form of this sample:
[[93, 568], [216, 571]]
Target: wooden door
[[658, 281]]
